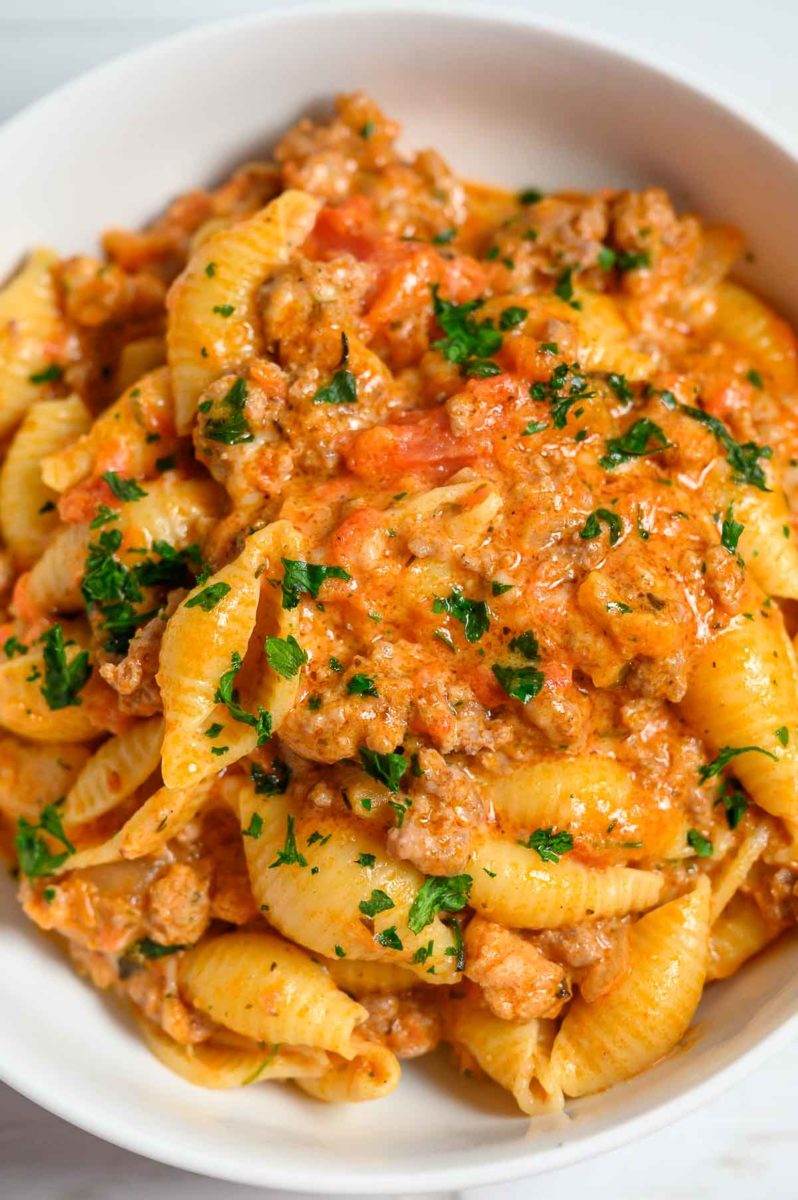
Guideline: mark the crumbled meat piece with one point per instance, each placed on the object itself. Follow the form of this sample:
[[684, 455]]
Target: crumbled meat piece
[[405, 1022], [446, 810], [517, 980], [178, 906]]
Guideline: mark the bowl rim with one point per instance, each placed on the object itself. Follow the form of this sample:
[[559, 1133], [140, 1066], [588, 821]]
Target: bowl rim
[[79, 1111]]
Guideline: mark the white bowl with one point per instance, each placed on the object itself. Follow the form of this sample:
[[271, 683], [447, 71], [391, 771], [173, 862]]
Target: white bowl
[[505, 100]]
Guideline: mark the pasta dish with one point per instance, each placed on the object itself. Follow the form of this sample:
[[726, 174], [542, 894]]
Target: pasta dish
[[398, 582]]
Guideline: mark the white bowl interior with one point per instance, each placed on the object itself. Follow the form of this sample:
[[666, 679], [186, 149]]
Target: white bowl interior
[[503, 101]]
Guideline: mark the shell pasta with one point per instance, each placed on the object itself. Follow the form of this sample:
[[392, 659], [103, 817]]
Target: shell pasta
[[397, 583]]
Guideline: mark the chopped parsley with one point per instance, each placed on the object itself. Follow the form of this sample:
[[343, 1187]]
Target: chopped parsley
[[635, 443], [699, 843], [526, 644], [548, 845], [255, 827], [123, 489], [273, 782], [742, 457], [444, 237], [438, 893], [498, 589], [378, 902], [33, 852], [724, 757], [467, 342], [730, 532], [303, 578], [366, 860], [564, 288], [339, 951], [512, 316], [361, 685], [783, 735], [534, 427], [423, 953], [209, 597], [389, 938], [229, 425], [618, 606], [224, 310], [112, 589], [602, 516], [147, 948], [227, 694], [13, 646], [103, 515], [735, 803], [62, 679], [165, 464], [50, 374], [289, 855], [755, 378], [521, 683], [566, 387], [472, 614], [385, 768], [285, 656], [342, 388], [530, 196], [210, 269], [214, 730], [620, 387], [632, 260]]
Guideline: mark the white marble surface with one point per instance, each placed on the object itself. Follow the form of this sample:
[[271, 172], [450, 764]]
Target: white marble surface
[[742, 1145]]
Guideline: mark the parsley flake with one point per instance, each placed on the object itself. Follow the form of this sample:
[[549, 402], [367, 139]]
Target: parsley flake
[[378, 902], [700, 843], [472, 614], [521, 683], [289, 855], [255, 827], [285, 656], [635, 443], [385, 768], [303, 578], [271, 782], [209, 597], [602, 516], [229, 423], [724, 757], [548, 845], [438, 893], [342, 388], [62, 680], [123, 489], [33, 852], [361, 685]]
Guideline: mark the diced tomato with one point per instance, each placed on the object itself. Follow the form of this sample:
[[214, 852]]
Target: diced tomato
[[426, 441], [485, 686], [343, 230], [80, 503], [358, 544]]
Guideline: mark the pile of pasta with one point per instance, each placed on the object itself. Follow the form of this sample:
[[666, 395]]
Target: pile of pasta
[[397, 579]]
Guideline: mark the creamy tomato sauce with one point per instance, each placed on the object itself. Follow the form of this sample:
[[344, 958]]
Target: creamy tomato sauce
[[518, 433]]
